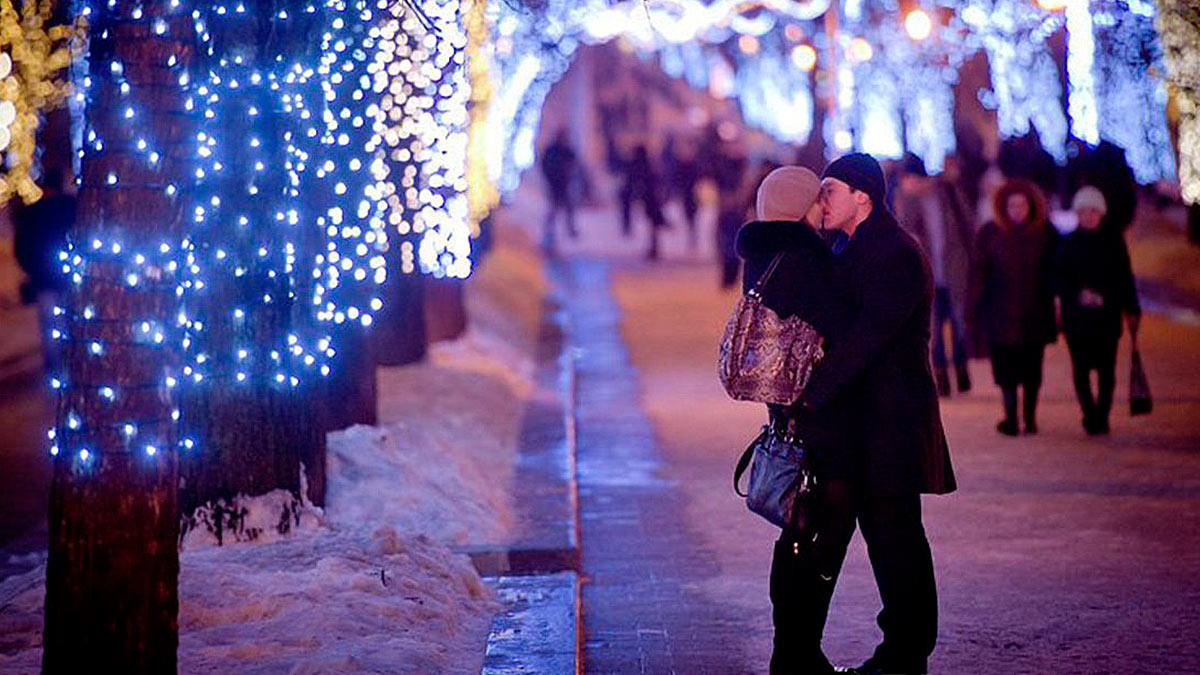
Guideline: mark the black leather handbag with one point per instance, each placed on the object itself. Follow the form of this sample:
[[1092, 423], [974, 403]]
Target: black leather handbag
[[1140, 402], [781, 484]]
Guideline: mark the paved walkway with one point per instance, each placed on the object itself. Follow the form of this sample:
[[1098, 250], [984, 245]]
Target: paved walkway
[[641, 610]]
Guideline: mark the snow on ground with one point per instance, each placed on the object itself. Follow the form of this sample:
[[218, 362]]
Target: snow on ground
[[370, 583]]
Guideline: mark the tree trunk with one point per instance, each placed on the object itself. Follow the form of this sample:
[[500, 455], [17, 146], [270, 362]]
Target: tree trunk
[[399, 334], [445, 311], [112, 574], [111, 599], [351, 390], [254, 417]]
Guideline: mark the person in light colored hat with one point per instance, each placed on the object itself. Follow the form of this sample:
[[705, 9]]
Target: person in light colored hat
[[1095, 285], [789, 193], [788, 222]]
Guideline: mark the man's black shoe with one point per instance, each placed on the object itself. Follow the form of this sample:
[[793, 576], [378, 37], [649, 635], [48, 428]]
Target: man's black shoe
[[1008, 427]]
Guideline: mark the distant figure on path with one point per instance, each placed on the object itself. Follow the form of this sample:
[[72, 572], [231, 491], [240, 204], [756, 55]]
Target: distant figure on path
[[640, 185], [930, 208], [41, 232], [560, 168], [1012, 296], [729, 172], [683, 175], [1095, 285]]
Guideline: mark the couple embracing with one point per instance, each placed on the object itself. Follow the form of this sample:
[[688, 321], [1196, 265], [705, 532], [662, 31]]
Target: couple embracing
[[868, 416]]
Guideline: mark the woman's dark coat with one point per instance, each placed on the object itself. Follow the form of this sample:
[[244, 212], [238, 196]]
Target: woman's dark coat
[[1012, 289], [1096, 260], [803, 285], [884, 358]]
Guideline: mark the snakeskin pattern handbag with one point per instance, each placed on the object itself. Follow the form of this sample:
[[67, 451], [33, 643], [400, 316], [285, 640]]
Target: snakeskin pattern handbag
[[765, 358]]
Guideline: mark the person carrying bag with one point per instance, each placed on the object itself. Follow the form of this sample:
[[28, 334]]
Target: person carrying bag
[[790, 313]]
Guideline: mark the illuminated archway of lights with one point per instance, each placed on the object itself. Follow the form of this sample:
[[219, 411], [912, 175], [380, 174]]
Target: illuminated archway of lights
[[420, 134], [1027, 92]]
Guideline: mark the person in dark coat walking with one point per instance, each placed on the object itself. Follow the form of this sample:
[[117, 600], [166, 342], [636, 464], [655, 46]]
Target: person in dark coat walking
[[929, 207], [683, 173], [640, 185], [40, 233], [901, 450], [803, 285], [559, 168], [1095, 284], [1012, 296], [729, 172]]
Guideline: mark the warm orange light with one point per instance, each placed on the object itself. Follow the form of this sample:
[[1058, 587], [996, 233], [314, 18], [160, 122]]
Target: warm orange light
[[805, 57], [918, 24], [1052, 5], [793, 32], [860, 50], [748, 44]]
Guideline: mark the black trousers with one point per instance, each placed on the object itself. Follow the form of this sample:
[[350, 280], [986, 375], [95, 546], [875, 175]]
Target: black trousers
[[1094, 354], [806, 566]]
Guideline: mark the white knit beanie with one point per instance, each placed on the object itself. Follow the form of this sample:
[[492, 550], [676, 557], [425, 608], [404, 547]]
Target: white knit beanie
[[1089, 197], [787, 193]]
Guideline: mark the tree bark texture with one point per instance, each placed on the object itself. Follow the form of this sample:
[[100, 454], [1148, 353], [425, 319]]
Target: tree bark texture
[[445, 310], [399, 332], [351, 393], [251, 434], [111, 599], [112, 573]]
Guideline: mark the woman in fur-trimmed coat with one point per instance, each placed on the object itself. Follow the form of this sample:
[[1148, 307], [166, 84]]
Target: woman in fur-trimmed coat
[[1012, 296]]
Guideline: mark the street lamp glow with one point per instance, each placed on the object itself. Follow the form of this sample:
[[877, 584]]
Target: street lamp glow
[[918, 24], [860, 50], [804, 57]]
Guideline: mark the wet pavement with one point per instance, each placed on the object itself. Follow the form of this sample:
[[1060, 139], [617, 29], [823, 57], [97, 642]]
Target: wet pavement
[[641, 610]]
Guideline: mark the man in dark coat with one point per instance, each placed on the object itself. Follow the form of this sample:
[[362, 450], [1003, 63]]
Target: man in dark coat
[[902, 446]]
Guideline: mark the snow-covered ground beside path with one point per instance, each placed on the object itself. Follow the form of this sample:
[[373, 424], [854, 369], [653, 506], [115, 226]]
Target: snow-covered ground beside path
[[370, 583]]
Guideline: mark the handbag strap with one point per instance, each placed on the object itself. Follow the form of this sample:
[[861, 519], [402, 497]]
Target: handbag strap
[[766, 276], [744, 460]]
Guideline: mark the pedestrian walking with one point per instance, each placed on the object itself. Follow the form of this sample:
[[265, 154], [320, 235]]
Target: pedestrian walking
[[729, 172], [930, 208], [787, 223], [640, 185], [560, 168], [898, 449], [1012, 296], [40, 233], [1095, 285], [1106, 168], [684, 175]]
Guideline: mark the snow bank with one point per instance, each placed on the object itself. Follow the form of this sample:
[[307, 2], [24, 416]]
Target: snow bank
[[369, 583]]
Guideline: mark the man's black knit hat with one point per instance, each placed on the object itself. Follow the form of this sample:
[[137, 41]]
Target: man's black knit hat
[[861, 172]]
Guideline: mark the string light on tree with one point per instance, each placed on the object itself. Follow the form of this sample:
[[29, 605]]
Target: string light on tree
[[421, 134]]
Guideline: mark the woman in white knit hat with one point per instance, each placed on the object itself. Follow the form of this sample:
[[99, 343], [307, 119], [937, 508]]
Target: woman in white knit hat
[[1095, 285]]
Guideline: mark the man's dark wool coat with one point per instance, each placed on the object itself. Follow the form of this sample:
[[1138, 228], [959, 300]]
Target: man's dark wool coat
[[803, 286], [885, 357]]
